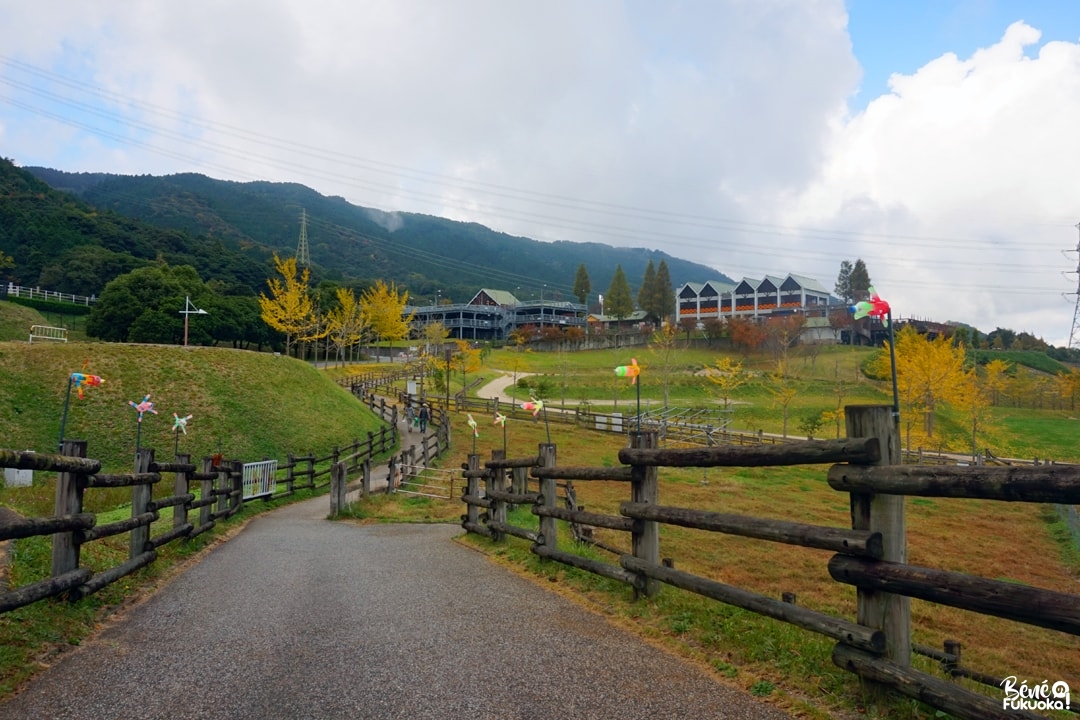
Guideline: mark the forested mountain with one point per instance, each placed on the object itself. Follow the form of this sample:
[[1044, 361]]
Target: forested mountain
[[60, 242], [348, 243]]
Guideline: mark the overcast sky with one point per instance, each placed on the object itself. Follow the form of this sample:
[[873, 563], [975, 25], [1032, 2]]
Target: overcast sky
[[936, 140]]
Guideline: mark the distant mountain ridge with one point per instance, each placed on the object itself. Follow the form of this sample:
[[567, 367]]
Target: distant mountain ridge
[[350, 243]]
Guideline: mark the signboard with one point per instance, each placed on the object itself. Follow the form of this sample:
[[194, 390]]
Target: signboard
[[18, 478]]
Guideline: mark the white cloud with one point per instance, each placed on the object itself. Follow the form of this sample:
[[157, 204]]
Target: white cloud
[[965, 176], [716, 131]]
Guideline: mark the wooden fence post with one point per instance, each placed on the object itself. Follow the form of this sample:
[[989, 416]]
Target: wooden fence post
[[180, 487], [390, 474], [311, 471], [493, 481], [548, 498], [206, 492], [338, 487], [645, 537], [365, 487], [69, 496], [519, 480], [290, 478], [141, 494], [472, 488], [236, 486], [885, 514]]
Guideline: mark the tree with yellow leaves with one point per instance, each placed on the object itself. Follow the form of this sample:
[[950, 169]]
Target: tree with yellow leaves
[[346, 324], [783, 389], [466, 359], [384, 309], [663, 346], [289, 308], [928, 372]]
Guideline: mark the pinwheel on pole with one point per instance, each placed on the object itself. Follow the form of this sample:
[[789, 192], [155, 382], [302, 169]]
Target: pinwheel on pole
[[632, 371], [145, 406], [179, 424], [876, 307], [536, 406], [76, 379]]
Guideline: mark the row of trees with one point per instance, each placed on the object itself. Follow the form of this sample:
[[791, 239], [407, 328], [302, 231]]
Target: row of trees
[[656, 296], [933, 373], [145, 305], [290, 308]]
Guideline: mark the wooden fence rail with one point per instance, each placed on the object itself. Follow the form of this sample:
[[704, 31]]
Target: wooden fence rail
[[209, 495], [871, 555]]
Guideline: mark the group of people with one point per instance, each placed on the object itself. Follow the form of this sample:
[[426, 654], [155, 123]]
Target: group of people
[[417, 420]]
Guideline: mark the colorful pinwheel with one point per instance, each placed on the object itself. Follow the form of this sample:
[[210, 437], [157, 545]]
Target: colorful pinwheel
[[875, 307], [631, 371], [143, 407]]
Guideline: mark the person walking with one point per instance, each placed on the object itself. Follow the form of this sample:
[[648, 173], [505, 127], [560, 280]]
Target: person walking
[[425, 415], [410, 417]]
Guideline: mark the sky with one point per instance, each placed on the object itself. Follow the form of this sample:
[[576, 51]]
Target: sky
[[934, 139]]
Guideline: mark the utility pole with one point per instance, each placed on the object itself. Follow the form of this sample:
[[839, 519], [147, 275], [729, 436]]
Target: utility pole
[[1074, 334], [303, 255]]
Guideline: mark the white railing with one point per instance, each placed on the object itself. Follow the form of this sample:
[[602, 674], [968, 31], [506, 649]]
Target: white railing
[[259, 478], [50, 295], [44, 332]]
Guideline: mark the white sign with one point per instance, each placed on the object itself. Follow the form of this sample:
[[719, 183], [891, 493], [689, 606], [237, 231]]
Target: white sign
[[18, 478]]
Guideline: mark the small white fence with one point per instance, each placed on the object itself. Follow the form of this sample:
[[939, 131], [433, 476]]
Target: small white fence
[[44, 332], [426, 481], [51, 295], [259, 479]]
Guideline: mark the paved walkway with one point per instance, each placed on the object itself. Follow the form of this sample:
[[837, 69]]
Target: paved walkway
[[298, 617], [498, 388]]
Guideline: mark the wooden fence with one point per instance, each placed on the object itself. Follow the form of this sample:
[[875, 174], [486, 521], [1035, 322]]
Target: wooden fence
[[871, 555], [220, 495]]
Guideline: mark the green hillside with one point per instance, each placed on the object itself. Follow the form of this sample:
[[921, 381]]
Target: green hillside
[[244, 404]]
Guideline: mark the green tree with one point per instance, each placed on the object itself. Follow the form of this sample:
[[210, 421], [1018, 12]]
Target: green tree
[[853, 282], [843, 283], [289, 308], [646, 297], [665, 292], [582, 286], [154, 289], [618, 301]]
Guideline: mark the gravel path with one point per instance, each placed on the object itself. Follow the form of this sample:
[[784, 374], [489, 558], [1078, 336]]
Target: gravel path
[[298, 617]]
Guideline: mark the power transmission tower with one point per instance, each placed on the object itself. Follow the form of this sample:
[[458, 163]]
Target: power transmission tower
[[303, 256], [1074, 334]]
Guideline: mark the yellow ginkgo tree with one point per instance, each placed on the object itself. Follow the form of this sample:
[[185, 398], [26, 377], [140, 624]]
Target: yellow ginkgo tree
[[346, 324], [928, 373], [288, 309], [384, 309]]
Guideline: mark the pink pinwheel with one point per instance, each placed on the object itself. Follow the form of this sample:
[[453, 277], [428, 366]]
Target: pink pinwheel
[[143, 407], [533, 405]]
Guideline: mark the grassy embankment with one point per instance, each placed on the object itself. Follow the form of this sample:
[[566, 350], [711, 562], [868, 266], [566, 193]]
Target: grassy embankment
[[245, 405], [1013, 542]]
